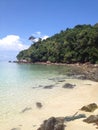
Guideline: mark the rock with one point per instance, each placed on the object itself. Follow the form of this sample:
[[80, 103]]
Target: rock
[[91, 119], [48, 87], [57, 123], [59, 126], [39, 104], [58, 79], [15, 129], [48, 62], [71, 118], [90, 108], [60, 119], [82, 77], [52, 124], [95, 76], [68, 85], [26, 109], [61, 80], [40, 86]]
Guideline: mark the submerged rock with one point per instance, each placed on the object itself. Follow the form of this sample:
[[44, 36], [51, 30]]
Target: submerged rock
[[82, 77], [61, 80], [26, 109], [71, 118], [48, 87], [39, 104], [90, 108], [15, 129], [58, 79], [68, 85]]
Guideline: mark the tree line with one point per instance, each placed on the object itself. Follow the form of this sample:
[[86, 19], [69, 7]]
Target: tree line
[[78, 44]]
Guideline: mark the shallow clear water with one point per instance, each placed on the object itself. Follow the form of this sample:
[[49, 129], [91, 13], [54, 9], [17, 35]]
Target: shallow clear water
[[17, 82]]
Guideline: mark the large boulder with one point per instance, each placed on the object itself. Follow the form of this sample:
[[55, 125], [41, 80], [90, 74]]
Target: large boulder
[[90, 108], [91, 119], [53, 124]]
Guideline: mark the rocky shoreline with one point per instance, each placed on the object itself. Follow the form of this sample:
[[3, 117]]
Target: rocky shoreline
[[79, 70], [84, 71]]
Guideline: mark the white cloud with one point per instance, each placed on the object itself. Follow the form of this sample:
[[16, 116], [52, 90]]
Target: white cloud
[[36, 40], [38, 35], [12, 43], [45, 37]]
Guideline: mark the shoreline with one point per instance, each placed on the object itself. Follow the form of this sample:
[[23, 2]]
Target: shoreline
[[88, 70]]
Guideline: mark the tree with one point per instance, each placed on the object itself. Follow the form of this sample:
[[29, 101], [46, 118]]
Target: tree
[[79, 44], [32, 38]]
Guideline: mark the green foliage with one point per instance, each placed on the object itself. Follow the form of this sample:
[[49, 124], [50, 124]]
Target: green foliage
[[79, 44]]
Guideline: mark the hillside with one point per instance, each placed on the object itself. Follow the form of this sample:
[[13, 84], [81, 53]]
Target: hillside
[[78, 44]]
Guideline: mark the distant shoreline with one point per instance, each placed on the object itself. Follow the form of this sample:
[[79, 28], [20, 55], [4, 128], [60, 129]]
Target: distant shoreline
[[56, 63]]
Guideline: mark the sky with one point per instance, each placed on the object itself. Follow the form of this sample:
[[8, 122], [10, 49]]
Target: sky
[[20, 19]]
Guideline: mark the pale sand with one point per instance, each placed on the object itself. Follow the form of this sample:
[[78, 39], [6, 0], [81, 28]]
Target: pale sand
[[58, 102]]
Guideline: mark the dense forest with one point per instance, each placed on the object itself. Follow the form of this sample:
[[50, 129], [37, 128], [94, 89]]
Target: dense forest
[[78, 44]]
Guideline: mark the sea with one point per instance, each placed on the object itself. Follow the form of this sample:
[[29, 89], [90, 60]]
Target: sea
[[20, 85]]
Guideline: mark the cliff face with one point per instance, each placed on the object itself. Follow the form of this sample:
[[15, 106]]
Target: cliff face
[[79, 44]]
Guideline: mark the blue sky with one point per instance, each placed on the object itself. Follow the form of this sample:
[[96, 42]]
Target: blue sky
[[20, 19]]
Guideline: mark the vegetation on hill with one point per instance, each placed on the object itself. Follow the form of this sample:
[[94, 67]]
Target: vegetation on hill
[[78, 44]]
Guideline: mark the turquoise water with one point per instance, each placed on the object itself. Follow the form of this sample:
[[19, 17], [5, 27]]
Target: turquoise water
[[17, 82], [26, 75]]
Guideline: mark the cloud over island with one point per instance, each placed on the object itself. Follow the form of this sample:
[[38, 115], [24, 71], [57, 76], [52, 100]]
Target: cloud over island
[[12, 43], [10, 47]]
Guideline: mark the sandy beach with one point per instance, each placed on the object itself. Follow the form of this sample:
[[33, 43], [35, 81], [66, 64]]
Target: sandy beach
[[58, 102]]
